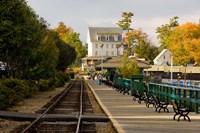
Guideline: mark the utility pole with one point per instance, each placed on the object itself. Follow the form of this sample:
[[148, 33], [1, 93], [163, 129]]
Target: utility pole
[[102, 59], [171, 69]]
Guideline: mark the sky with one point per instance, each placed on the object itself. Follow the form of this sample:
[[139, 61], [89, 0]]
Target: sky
[[148, 14]]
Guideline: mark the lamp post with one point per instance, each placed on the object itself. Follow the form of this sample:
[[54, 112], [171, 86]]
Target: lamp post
[[102, 58], [171, 69], [178, 77], [185, 75]]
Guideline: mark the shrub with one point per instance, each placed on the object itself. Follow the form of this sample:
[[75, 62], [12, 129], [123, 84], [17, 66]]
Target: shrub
[[71, 74], [13, 91], [77, 70], [5, 97], [44, 85], [61, 78]]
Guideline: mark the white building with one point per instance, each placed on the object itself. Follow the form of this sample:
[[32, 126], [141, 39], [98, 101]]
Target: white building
[[164, 58], [104, 41]]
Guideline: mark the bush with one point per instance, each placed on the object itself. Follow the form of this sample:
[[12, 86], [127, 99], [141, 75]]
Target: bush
[[61, 78], [71, 74], [77, 70], [5, 97], [45, 84], [13, 91]]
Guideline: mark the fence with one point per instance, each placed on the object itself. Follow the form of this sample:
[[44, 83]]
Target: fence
[[185, 96]]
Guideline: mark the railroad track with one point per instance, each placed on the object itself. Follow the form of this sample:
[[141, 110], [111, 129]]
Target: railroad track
[[69, 111]]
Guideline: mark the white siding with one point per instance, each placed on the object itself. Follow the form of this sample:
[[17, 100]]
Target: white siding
[[164, 58], [109, 46]]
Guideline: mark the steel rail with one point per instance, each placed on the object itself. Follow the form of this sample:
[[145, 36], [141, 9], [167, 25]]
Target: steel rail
[[49, 108], [81, 109]]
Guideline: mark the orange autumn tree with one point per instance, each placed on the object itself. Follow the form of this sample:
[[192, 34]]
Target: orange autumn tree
[[62, 29], [140, 45], [70, 37], [135, 35], [184, 42]]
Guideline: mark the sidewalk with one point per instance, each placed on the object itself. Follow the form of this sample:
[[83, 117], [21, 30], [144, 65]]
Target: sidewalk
[[131, 117]]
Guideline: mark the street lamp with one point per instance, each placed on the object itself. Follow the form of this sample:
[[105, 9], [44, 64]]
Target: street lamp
[[179, 77], [102, 58], [171, 69], [185, 75]]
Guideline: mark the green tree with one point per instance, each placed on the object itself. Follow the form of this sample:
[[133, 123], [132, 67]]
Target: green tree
[[45, 62], [21, 31], [164, 31], [126, 21], [74, 41], [141, 45], [67, 55], [128, 67], [72, 38], [125, 24], [146, 50]]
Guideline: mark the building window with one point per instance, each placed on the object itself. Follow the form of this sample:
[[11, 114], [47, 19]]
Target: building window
[[106, 45], [112, 45], [98, 38], [107, 38], [115, 38], [106, 53], [119, 38], [96, 52], [111, 38], [96, 45], [112, 53], [103, 38]]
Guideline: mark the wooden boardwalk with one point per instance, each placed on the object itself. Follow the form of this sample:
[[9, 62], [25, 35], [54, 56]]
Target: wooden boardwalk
[[129, 116]]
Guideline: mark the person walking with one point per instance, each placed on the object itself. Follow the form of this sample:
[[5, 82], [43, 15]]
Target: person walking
[[100, 78]]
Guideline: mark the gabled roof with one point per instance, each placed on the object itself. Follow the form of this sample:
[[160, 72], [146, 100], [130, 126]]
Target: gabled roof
[[161, 54], [116, 62], [94, 31]]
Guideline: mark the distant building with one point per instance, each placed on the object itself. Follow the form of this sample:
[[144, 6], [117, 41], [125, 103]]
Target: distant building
[[164, 58], [104, 41], [162, 67]]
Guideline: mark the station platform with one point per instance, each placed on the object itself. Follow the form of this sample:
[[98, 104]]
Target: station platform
[[129, 116]]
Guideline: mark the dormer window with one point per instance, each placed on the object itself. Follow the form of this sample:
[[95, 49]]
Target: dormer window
[[107, 38], [119, 38], [98, 38], [103, 38], [115, 38], [111, 38]]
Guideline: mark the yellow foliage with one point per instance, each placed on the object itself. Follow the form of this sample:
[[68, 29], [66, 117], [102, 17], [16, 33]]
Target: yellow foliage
[[134, 35], [184, 42], [77, 69], [62, 29]]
